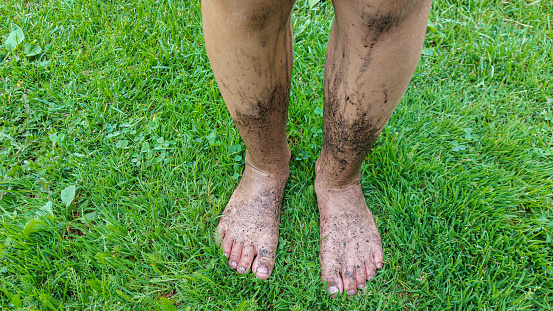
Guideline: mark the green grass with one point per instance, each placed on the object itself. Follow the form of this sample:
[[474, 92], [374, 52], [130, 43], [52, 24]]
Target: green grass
[[121, 103]]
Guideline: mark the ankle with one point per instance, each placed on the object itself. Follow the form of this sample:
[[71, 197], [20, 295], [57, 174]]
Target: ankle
[[276, 166], [334, 179]]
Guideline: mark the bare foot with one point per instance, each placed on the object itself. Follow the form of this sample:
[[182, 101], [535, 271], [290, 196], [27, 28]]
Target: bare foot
[[249, 225], [350, 247]]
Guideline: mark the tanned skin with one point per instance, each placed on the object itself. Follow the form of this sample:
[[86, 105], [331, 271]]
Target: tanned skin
[[373, 50]]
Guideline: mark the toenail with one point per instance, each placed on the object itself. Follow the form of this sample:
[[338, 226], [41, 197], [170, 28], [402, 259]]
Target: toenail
[[379, 265], [332, 290], [242, 269], [352, 292], [226, 255], [233, 264], [361, 286], [262, 270], [369, 277]]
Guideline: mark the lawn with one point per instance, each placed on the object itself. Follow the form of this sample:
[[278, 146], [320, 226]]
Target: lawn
[[117, 156]]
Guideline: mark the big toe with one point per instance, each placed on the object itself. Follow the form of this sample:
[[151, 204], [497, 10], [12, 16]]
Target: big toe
[[263, 264], [333, 282], [263, 267]]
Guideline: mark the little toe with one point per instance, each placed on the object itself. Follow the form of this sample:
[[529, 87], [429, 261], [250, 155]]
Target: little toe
[[220, 234], [245, 262], [235, 254], [378, 257], [348, 277], [226, 246], [370, 268], [361, 275]]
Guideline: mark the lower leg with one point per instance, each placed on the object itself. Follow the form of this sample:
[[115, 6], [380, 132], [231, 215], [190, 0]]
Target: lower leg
[[249, 44], [372, 53]]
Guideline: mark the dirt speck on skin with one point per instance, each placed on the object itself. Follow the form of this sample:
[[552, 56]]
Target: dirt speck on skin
[[263, 18], [376, 24], [266, 253], [380, 23], [264, 116], [343, 136], [259, 19], [267, 199]]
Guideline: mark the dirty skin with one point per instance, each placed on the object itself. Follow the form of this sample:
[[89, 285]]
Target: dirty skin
[[248, 229], [372, 52], [350, 245], [350, 250]]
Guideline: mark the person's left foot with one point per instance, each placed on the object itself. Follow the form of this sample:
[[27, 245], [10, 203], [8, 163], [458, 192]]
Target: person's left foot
[[350, 246]]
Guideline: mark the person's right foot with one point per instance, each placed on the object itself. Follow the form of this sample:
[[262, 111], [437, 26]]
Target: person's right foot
[[249, 225]]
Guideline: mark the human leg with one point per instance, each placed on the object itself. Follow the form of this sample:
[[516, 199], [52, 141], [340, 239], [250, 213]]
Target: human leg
[[373, 50], [249, 45]]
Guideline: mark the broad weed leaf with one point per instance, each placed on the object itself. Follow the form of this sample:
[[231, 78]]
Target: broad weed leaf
[[32, 49], [36, 224], [67, 195], [46, 209], [312, 3], [16, 36], [88, 217]]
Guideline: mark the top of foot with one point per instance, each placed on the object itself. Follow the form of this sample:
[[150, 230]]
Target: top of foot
[[248, 228], [350, 247]]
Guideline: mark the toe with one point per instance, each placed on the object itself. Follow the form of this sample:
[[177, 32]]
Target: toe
[[219, 234], [361, 275], [264, 262], [227, 246], [370, 268], [330, 275], [378, 254], [378, 258], [263, 267], [245, 262], [235, 254], [333, 282], [348, 277]]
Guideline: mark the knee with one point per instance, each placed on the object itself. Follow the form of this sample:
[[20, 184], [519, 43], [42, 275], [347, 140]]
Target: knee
[[377, 16], [257, 15]]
